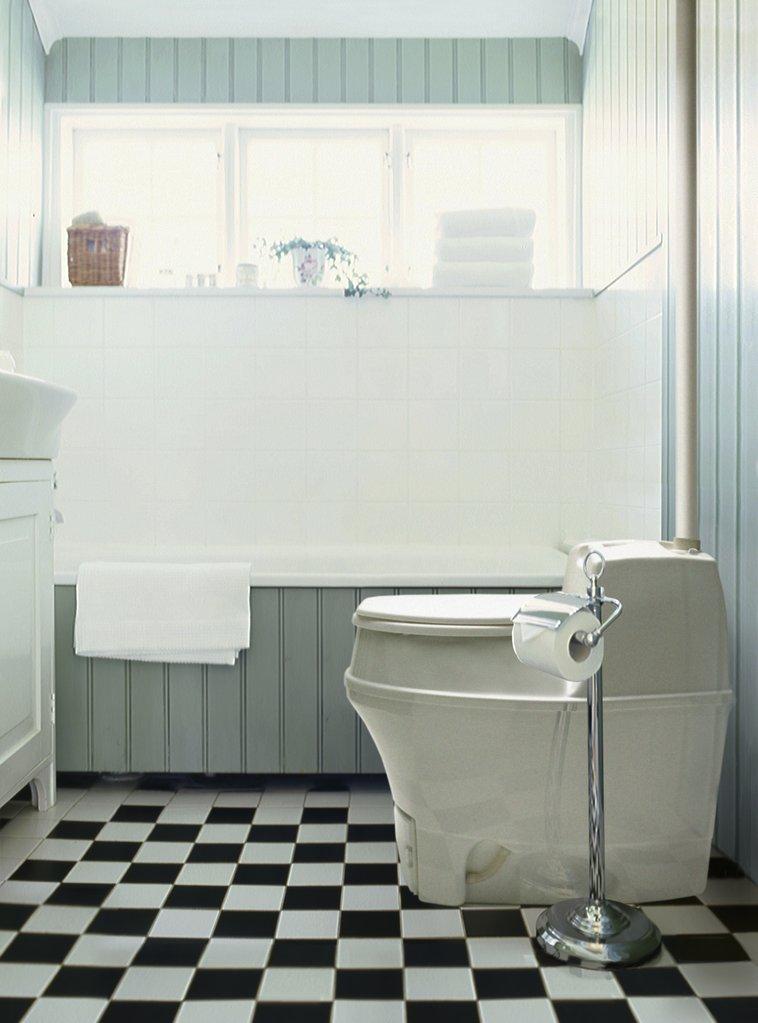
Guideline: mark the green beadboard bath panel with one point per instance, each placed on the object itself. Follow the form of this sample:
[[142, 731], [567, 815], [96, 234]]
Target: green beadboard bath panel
[[280, 708], [314, 70]]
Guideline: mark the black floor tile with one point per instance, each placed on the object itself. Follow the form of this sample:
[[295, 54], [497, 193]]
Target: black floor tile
[[81, 830], [381, 923], [319, 896], [140, 1012], [174, 833], [320, 852], [170, 952], [152, 873], [235, 923], [38, 948], [13, 915], [510, 983], [303, 952], [137, 813], [42, 870], [114, 852], [594, 1011], [272, 833], [195, 896], [494, 923], [84, 982], [231, 815], [214, 852], [722, 867], [324, 815], [704, 948], [224, 984], [292, 1012], [435, 952], [371, 873], [655, 981], [261, 873], [123, 921], [76, 894], [733, 1010], [14, 1009], [368, 984], [370, 833], [737, 918], [441, 1012]]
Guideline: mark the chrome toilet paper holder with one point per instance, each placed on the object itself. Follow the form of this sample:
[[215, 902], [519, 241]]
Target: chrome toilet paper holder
[[595, 930]]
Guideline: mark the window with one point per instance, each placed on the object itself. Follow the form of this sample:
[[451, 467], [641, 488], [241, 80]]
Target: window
[[199, 189]]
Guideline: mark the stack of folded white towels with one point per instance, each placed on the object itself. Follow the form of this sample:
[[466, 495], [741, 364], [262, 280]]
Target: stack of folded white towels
[[485, 248]]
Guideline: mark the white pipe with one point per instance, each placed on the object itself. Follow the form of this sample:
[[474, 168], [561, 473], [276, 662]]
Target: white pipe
[[682, 192]]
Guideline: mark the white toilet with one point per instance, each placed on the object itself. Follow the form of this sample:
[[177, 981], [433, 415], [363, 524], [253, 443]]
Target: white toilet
[[486, 758]]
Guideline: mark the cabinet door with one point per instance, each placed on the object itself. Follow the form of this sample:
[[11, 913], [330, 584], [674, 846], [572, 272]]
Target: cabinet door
[[26, 603]]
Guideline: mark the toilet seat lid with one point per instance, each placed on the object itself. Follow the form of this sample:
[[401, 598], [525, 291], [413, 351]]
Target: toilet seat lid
[[464, 610]]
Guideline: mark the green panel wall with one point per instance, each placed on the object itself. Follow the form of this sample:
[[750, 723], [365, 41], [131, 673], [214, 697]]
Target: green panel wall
[[22, 88], [280, 709], [313, 71]]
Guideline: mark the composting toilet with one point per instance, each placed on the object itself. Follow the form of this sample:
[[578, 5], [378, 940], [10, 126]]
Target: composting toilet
[[486, 758]]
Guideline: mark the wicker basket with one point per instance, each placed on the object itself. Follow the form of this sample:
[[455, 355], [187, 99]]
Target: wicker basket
[[97, 255]]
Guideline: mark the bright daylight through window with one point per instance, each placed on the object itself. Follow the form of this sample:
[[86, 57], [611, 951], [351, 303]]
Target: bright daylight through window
[[201, 192]]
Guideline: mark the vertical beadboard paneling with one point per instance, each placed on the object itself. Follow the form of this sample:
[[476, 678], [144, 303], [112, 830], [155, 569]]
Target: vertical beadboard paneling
[[301, 680], [186, 730], [133, 84], [147, 717], [339, 722], [264, 721], [356, 70], [71, 687], [329, 70], [304, 70], [369, 761], [110, 717], [728, 328], [225, 697], [245, 75]]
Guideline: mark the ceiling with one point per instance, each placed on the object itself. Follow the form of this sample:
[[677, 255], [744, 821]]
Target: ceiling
[[327, 18]]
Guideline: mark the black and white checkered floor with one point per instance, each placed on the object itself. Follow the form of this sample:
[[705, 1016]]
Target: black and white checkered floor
[[129, 903]]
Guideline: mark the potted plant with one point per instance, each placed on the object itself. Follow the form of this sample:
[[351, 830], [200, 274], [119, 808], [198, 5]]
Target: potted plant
[[311, 259]]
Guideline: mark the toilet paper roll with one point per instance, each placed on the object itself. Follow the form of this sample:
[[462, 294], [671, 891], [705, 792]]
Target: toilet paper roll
[[544, 636]]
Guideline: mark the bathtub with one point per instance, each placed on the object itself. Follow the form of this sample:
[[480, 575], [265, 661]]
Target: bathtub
[[281, 707]]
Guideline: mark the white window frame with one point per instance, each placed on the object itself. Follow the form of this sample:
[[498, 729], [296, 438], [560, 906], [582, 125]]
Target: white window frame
[[231, 123]]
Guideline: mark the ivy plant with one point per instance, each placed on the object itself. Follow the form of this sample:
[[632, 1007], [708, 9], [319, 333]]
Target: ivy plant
[[341, 261]]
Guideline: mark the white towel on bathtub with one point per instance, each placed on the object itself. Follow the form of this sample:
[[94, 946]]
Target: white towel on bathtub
[[510, 223], [180, 614], [515, 276], [477, 250]]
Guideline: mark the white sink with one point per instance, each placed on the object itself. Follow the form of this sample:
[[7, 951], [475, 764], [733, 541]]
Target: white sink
[[31, 413]]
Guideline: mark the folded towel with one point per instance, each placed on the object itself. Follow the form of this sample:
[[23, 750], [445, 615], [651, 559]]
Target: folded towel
[[180, 614], [515, 276], [484, 250], [509, 223]]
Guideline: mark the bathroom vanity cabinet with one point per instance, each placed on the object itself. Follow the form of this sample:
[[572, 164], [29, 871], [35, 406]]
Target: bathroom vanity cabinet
[[27, 693]]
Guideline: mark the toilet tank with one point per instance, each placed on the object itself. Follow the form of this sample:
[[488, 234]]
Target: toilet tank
[[672, 636]]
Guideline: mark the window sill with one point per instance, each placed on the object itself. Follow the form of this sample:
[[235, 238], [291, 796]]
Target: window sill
[[47, 292]]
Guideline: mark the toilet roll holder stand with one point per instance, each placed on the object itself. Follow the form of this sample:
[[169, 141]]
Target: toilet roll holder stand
[[595, 930]]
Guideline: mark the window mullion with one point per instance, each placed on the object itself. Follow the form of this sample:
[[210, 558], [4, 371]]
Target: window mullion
[[399, 258]]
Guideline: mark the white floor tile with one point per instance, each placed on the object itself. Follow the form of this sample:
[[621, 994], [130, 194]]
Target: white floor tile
[[369, 953], [517, 1010], [371, 852], [322, 833], [238, 799], [233, 833], [236, 953], [327, 799], [206, 873], [669, 1010], [154, 983], [125, 831], [530, 915], [749, 942], [301, 923], [208, 1010], [254, 896], [60, 919], [23, 848], [183, 815], [296, 985], [685, 920], [96, 872], [316, 874], [368, 1011], [495, 953], [137, 896], [725, 891], [29, 892], [432, 923], [149, 797], [378, 896], [184, 923], [163, 852], [277, 814], [66, 1010], [267, 852], [104, 950], [574, 982], [444, 984], [714, 980], [25, 980], [6, 937], [368, 813], [32, 826]]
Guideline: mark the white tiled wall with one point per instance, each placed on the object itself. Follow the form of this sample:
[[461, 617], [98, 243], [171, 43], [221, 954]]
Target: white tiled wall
[[627, 404], [11, 323], [273, 419]]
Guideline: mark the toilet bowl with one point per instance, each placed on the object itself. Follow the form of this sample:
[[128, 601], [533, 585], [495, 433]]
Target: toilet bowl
[[486, 758]]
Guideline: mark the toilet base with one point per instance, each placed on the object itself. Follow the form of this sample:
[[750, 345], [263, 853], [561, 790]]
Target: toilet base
[[597, 934]]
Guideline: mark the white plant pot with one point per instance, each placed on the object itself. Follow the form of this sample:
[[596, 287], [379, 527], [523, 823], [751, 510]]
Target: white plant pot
[[308, 266]]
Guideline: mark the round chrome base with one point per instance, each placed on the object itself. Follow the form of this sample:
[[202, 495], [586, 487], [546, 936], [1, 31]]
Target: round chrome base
[[597, 933]]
